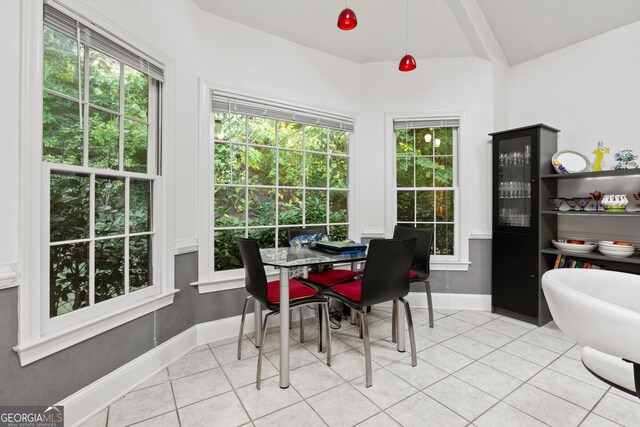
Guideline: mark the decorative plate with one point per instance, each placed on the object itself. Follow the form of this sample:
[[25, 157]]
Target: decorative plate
[[569, 161]]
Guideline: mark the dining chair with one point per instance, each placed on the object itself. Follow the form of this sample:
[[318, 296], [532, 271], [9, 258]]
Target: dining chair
[[420, 264], [268, 294], [386, 278], [324, 278]]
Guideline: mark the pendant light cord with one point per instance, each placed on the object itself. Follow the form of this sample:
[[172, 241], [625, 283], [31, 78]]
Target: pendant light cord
[[406, 28]]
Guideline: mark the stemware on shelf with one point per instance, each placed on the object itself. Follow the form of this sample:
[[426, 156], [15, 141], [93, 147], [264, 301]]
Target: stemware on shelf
[[596, 196], [582, 202], [571, 202], [556, 202]]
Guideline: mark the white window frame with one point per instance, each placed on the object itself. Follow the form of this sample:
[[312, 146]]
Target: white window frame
[[38, 337], [460, 260], [208, 280]]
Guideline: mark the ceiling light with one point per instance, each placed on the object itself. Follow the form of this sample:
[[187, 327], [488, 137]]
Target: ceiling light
[[408, 62], [428, 137], [347, 19], [437, 143]]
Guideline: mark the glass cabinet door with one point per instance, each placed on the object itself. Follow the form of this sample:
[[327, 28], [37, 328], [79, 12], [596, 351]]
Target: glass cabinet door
[[514, 182]]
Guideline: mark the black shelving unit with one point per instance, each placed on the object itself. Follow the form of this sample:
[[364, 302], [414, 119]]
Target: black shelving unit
[[520, 232], [634, 259], [601, 174], [548, 222], [591, 213]]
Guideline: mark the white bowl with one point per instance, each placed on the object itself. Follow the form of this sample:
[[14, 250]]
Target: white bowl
[[609, 243], [617, 248], [615, 254], [574, 247], [615, 251]]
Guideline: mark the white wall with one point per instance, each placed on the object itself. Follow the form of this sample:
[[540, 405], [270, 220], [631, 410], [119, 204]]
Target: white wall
[[590, 91], [9, 120], [201, 45], [452, 84]]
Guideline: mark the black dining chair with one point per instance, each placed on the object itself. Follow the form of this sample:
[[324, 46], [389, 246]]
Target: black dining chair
[[268, 294], [420, 264], [386, 278], [323, 278]]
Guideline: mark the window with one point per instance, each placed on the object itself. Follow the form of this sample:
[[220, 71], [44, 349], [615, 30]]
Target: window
[[425, 181], [100, 165], [274, 169]]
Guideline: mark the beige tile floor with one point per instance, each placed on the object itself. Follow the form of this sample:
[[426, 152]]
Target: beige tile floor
[[474, 369]]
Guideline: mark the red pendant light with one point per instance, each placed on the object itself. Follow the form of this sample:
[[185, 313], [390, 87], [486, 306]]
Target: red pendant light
[[408, 62], [347, 19]]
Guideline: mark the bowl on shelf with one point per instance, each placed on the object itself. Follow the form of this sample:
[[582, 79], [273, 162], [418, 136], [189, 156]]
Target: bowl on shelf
[[556, 202], [616, 248], [577, 246], [582, 202], [615, 254], [571, 202], [615, 202], [616, 245]]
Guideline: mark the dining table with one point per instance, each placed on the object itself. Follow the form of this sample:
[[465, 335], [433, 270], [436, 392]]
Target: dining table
[[285, 259]]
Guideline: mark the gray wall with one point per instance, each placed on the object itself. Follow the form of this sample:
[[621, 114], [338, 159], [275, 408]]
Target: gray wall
[[53, 378], [475, 281]]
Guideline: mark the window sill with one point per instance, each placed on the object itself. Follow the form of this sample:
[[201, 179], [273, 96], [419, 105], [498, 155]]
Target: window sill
[[231, 280], [450, 265], [52, 343]]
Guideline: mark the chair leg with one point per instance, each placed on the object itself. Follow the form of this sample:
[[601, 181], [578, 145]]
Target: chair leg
[[244, 315], [367, 346], [325, 308], [301, 326], [427, 286], [320, 327], [412, 336], [263, 335], [290, 317], [394, 312]]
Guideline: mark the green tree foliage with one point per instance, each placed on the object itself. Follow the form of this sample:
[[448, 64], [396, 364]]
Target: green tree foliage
[[63, 143], [253, 151], [425, 166]]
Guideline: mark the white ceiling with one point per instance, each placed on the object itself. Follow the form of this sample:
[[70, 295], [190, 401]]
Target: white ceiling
[[524, 29], [379, 36]]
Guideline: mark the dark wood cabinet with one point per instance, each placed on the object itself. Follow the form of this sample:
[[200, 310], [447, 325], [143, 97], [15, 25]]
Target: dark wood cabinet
[[520, 157]]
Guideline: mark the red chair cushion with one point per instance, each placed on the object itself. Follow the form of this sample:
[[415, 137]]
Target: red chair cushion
[[332, 277], [351, 290], [296, 291]]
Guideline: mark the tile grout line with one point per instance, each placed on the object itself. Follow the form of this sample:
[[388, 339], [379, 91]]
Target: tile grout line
[[233, 389], [519, 387], [175, 402]]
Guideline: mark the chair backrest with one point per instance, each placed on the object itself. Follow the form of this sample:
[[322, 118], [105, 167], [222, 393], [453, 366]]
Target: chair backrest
[[255, 277], [294, 232], [386, 273], [424, 245]]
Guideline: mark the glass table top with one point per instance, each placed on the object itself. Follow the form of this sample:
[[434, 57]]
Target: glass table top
[[298, 257]]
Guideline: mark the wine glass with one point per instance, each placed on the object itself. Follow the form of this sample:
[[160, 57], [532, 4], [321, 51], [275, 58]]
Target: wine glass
[[571, 203], [596, 196], [582, 202], [556, 202]]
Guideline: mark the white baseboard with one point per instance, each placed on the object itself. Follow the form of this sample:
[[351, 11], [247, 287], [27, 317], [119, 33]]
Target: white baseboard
[[450, 301], [90, 400]]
